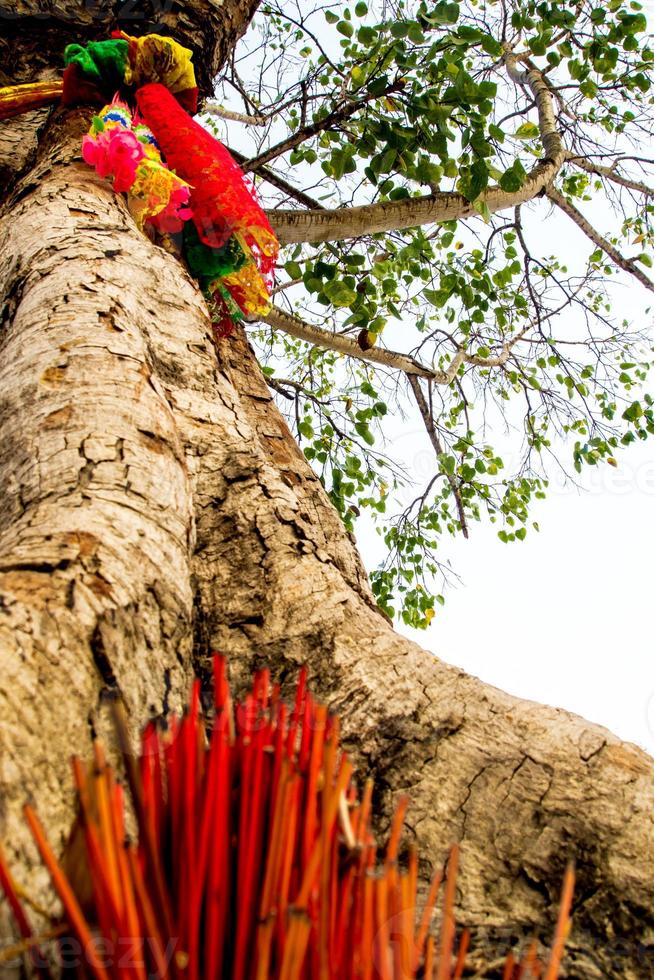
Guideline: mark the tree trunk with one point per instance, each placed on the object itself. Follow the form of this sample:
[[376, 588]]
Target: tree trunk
[[156, 507]]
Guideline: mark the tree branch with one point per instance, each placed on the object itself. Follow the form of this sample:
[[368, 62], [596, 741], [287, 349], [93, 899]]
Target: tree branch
[[370, 219], [292, 325], [283, 185], [610, 174], [627, 265], [213, 109], [333, 118], [428, 419], [533, 80]]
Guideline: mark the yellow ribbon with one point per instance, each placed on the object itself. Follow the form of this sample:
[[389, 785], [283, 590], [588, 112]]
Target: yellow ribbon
[[15, 99]]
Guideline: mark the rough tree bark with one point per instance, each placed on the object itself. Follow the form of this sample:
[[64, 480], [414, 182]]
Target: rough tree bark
[[156, 507]]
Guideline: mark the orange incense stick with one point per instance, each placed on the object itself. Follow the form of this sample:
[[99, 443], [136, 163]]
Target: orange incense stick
[[562, 925], [447, 925], [254, 860], [461, 957], [65, 892], [8, 885]]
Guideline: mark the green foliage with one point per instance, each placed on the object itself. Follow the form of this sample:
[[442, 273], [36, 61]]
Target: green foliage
[[421, 102]]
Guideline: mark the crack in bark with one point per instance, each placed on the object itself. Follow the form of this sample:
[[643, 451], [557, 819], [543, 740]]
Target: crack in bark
[[102, 660]]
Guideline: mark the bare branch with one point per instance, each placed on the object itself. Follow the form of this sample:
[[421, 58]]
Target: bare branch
[[492, 362], [627, 265], [292, 325], [286, 285], [273, 383], [213, 109], [610, 173], [282, 185], [430, 426], [343, 223]]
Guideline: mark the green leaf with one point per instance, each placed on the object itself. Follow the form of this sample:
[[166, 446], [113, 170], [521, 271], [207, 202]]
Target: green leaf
[[481, 207], [387, 161], [293, 269], [364, 431], [633, 413], [437, 297], [478, 180], [443, 13], [513, 178], [339, 294], [527, 131], [415, 34]]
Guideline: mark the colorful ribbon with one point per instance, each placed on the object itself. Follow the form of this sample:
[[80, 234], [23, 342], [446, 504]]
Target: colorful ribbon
[[223, 204], [120, 148], [95, 71]]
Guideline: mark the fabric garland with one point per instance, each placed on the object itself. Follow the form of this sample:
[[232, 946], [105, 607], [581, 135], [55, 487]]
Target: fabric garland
[[228, 244], [16, 99], [95, 71], [179, 178]]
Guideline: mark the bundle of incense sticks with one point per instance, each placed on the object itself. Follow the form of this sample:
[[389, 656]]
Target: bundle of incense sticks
[[255, 859]]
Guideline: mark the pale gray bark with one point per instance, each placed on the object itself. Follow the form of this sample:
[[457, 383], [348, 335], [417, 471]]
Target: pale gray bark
[[96, 520], [369, 219]]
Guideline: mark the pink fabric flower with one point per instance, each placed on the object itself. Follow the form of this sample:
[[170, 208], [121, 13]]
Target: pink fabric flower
[[115, 152]]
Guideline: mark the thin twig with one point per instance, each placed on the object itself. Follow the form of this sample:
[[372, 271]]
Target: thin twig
[[282, 185], [430, 426], [340, 114], [610, 173]]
